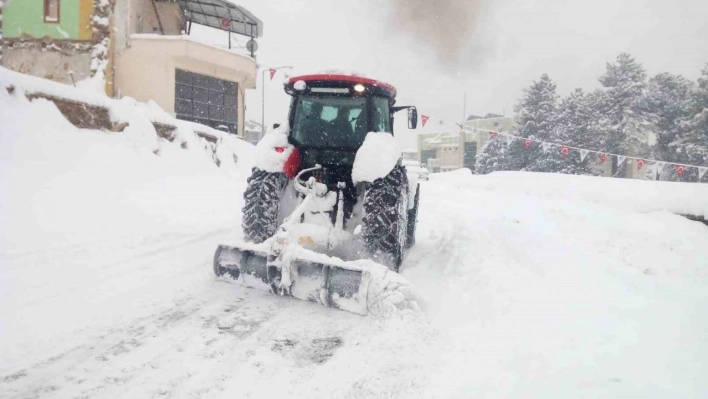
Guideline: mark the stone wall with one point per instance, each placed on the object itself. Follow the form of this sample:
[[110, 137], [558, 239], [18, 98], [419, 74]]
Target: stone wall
[[48, 59]]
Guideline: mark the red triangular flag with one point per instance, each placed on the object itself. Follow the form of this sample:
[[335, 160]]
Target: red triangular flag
[[564, 151], [640, 164], [424, 119], [272, 73]]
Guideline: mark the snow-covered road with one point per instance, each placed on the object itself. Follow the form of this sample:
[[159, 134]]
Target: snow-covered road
[[106, 288]]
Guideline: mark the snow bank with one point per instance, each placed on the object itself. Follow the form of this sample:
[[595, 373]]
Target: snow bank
[[62, 185], [376, 157], [627, 194], [32, 84]]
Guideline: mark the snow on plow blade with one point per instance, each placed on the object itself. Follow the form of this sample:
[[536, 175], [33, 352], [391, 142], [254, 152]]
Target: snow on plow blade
[[360, 287]]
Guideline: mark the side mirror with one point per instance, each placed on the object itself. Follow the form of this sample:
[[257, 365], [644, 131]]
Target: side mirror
[[276, 125], [412, 118]]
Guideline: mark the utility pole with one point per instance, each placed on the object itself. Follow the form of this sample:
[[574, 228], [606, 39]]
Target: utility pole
[[464, 108], [263, 127]]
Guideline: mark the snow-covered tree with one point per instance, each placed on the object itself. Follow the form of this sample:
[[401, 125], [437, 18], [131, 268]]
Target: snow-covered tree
[[692, 147], [624, 83], [574, 126], [667, 104], [535, 116], [492, 157]]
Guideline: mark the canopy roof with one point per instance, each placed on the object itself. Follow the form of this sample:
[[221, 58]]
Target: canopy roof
[[222, 14]]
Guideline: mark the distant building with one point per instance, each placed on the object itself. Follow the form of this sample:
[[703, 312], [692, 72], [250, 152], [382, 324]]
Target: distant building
[[449, 150], [253, 132], [142, 47], [410, 154]]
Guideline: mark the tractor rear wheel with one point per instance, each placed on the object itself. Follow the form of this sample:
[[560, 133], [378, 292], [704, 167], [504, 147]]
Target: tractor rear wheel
[[262, 201], [385, 221], [412, 219]]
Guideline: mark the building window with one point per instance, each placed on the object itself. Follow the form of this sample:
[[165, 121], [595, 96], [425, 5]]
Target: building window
[[51, 11], [206, 100]]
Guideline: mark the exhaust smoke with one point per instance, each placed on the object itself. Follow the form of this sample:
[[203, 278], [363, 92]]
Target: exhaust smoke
[[446, 26]]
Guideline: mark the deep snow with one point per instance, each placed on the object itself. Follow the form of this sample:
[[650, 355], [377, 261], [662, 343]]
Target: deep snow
[[533, 285]]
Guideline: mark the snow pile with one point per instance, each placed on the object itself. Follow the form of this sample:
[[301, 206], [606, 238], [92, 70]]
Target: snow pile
[[267, 158], [106, 185], [538, 292], [627, 194], [376, 157], [32, 84]]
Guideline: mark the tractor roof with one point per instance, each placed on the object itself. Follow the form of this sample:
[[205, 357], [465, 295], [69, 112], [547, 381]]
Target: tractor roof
[[330, 77]]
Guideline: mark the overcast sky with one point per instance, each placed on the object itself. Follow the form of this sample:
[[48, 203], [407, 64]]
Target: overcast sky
[[435, 51]]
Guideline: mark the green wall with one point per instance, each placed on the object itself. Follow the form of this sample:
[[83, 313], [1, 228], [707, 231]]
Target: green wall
[[27, 17]]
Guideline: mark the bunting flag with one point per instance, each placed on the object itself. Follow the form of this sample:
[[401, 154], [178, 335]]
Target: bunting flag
[[424, 119], [583, 154], [272, 73], [655, 168]]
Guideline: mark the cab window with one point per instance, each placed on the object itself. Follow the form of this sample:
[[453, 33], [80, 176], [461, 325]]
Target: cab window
[[381, 116]]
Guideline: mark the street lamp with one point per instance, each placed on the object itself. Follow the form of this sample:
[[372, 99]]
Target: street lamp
[[263, 127]]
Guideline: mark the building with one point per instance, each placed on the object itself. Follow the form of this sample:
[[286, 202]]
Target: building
[[409, 154], [253, 132], [137, 48], [445, 151], [448, 150]]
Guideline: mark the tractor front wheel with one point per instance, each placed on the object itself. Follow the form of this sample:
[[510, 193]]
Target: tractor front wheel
[[262, 202], [385, 221]]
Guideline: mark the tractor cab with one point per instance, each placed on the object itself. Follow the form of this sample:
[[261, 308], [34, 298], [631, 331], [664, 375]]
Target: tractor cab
[[330, 116]]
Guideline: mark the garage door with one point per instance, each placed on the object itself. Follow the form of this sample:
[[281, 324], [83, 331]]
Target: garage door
[[206, 100]]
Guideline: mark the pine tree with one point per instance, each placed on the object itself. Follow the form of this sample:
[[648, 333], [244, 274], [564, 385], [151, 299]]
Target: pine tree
[[693, 146], [492, 158], [535, 116], [668, 105], [624, 83], [574, 126]]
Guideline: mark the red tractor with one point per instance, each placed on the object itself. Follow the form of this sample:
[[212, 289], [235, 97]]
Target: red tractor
[[329, 205]]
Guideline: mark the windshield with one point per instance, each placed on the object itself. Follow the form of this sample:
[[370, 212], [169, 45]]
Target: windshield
[[330, 121]]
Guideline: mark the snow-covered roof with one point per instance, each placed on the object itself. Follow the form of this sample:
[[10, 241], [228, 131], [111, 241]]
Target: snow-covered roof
[[224, 15]]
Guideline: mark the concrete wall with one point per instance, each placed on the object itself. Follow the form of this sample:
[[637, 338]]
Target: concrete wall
[[141, 17], [49, 64], [26, 18], [146, 69]]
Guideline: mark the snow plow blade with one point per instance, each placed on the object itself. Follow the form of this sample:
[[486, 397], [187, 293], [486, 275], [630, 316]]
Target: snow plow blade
[[331, 285]]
